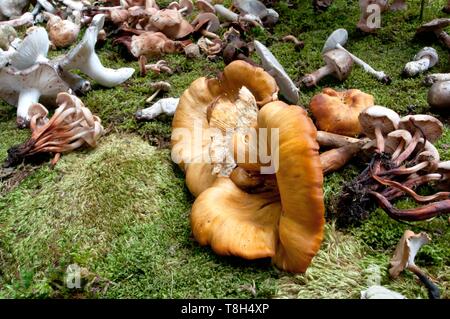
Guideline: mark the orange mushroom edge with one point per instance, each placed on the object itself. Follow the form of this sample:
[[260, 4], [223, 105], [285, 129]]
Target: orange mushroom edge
[[242, 212]]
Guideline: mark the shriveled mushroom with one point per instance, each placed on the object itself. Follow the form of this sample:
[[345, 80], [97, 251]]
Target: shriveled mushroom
[[439, 96], [321, 5], [26, 87], [160, 86], [404, 255], [337, 40], [423, 60], [298, 44], [436, 28], [235, 48], [71, 127], [274, 68], [211, 47], [166, 106], [153, 44], [192, 51], [338, 63], [171, 23], [376, 122], [84, 58], [62, 33], [398, 5], [337, 112]]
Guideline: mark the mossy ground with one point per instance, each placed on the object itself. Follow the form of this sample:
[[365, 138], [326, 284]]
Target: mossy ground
[[121, 211]]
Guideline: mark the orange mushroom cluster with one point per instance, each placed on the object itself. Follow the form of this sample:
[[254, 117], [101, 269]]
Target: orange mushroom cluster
[[241, 211]]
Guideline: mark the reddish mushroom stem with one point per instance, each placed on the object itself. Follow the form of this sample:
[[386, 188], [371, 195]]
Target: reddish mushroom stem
[[413, 194], [415, 214], [409, 149], [433, 290], [411, 183], [406, 171], [335, 159]]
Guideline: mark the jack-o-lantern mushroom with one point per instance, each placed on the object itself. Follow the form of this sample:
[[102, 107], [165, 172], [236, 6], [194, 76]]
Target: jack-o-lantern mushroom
[[337, 112], [245, 213]]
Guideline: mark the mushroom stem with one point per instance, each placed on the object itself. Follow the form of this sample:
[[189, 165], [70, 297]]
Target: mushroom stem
[[410, 192], [327, 139], [380, 139], [335, 159], [25, 19], [433, 290], [152, 97], [74, 5], [225, 13], [409, 149], [443, 37], [26, 99], [312, 79], [436, 77], [415, 214], [391, 194], [76, 82], [209, 34], [164, 106], [380, 75]]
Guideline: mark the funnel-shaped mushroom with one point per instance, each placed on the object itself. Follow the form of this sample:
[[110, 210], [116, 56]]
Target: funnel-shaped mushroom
[[284, 223], [274, 68], [25, 87], [404, 256], [71, 127], [84, 58], [337, 112]]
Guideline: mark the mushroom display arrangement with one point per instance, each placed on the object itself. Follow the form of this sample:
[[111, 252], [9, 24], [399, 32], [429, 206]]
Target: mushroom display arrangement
[[31, 76], [239, 211], [403, 158], [71, 126]]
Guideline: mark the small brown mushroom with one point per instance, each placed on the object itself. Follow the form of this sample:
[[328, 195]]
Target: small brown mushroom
[[153, 44], [62, 33], [436, 27], [207, 24], [439, 96], [205, 6], [298, 44], [160, 66], [338, 63]]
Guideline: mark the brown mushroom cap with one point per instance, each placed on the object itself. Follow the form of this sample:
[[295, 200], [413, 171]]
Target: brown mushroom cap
[[171, 23], [378, 116], [207, 21], [395, 137], [433, 26], [340, 61], [204, 6], [431, 127], [337, 112]]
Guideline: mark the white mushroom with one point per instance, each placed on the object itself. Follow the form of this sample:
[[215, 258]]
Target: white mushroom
[[25, 87], [423, 60], [166, 106], [13, 8], [47, 6], [339, 38], [25, 19], [84, 58], [74, 5], [274, 68], [380, 292], [436, 77]]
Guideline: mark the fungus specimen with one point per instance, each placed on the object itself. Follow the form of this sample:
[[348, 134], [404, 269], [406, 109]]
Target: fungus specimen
[[239, 211]]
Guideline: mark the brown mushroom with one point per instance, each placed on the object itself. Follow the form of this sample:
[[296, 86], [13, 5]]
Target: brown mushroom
[[171, 23], [207, 24], [435, 27], [337, 112], [153, 44], [338, 63]]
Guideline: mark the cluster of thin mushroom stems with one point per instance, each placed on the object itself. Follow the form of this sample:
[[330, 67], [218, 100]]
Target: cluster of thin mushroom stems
[[71, 126]]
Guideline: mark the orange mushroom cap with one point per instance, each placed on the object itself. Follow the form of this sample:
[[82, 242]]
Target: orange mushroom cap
[[286, 225], [337, 112]]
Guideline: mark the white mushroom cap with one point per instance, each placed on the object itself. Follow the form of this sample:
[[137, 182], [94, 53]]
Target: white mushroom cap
[[84, 58], [253, 7], [430, 126], [339, 36], [274, 68], [25, 87], [378, 116], [380, 292], [429, 52], [33, 49], [439, 95]]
